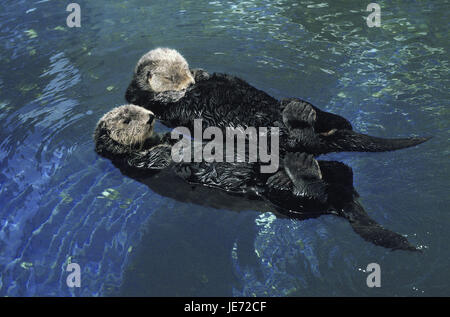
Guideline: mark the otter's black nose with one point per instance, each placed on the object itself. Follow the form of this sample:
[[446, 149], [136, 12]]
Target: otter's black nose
[[151, 118]]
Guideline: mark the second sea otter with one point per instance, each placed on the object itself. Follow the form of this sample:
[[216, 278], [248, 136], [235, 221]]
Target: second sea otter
[[301, 188]]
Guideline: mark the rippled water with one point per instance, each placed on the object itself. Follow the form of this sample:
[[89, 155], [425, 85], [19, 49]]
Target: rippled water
[[61, 203]]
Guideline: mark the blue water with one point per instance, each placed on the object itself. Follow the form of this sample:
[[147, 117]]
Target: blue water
[[61, 203]]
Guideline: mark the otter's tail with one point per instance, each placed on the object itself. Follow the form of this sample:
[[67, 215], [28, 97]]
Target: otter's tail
[[371, 231], [351, 141]]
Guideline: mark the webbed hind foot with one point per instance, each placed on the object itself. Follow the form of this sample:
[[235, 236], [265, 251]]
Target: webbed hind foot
[[305, 174], [301, 176], [298, 113], [300, 117]]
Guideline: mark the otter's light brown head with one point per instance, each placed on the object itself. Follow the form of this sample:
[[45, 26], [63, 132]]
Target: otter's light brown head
[[163, 70], [128, 125]]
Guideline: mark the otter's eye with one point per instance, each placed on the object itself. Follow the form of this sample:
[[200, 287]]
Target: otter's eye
[[126, 121]]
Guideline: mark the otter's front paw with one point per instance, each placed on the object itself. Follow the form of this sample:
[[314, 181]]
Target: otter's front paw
[[298, 114], [199, 74]]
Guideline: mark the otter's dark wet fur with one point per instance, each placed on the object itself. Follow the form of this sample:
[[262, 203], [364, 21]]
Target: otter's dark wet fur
[[223, 101], [301, 188]]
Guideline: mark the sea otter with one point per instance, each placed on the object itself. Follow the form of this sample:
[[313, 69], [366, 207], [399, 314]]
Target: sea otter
[[163, 83], [301, 188]]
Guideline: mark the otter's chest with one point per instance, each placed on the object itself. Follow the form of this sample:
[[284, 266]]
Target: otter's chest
[[224, 104]]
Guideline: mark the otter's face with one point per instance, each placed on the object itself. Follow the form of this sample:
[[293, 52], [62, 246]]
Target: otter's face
[[169, 76], [129, 125], [163, 71]]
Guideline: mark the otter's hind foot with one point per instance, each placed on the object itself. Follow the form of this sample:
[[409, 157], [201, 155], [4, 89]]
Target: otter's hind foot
[[304, 171], [298, 114], [279, 180]]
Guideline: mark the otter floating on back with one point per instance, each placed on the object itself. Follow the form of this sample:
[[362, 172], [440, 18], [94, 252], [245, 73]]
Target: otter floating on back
[[163, 83], [301, 188]]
